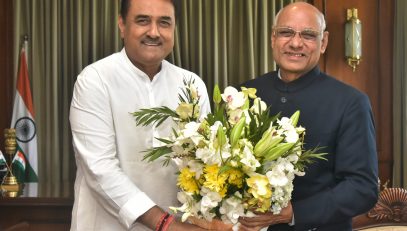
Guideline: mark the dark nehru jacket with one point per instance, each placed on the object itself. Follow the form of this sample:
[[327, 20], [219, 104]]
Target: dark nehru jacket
[[339, 118]]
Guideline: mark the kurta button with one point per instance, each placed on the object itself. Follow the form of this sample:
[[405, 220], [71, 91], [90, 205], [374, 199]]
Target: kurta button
[[283, 99]]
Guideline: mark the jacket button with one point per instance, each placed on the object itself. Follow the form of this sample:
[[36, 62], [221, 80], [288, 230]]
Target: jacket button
[[283, 99]]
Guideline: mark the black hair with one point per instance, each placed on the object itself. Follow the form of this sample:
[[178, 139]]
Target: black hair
[[125, 6]]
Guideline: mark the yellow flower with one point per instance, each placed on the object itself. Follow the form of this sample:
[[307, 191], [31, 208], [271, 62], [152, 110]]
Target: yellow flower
[[235, 177], [264, 205], [259, 186], [214, 181], [186, 181], [251, 92], [187, 110], [259, 204]]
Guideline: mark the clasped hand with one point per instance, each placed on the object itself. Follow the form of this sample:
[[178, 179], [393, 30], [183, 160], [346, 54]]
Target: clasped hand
[[262, 220], [256, 223]]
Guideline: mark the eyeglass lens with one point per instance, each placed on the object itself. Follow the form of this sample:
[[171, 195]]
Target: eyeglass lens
[[289, 33]]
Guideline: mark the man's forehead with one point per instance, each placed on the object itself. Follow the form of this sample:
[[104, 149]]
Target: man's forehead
[[302, 19], [156, 8]]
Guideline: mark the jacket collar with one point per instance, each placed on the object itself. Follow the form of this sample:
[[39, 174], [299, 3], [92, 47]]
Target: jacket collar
[[299, 83]]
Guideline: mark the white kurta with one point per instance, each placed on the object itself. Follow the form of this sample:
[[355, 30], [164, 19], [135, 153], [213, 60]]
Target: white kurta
[[114, 186]]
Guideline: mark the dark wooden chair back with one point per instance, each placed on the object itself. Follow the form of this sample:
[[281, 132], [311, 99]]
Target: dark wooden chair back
[[389, 211]]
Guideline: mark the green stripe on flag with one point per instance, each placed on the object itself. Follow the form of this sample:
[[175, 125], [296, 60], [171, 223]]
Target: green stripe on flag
[[22, 168]]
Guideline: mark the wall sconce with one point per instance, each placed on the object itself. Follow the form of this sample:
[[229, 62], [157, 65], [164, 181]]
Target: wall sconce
[[353, 38]]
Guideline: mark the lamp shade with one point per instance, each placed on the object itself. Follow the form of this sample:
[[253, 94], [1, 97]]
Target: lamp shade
[[353, 38]]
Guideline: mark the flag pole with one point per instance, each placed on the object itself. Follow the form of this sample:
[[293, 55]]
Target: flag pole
[[25, 46]]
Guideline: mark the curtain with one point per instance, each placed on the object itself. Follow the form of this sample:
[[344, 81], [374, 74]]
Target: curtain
[[224, 41], [64, 36], [400, 96]]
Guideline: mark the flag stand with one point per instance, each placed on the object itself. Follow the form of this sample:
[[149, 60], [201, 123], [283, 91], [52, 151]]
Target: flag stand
[[10, 184]]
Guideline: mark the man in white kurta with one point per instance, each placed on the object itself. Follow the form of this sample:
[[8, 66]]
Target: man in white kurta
[[114, 186]]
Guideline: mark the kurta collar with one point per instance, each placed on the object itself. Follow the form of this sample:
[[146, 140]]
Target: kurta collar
[[139, 72], [299, 83]]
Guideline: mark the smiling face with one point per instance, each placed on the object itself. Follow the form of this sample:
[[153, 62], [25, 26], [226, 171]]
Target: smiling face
[[148, 32], [297, 55]]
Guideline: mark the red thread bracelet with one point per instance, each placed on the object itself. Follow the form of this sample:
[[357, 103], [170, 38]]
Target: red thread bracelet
[[161, 222], [167, 222]]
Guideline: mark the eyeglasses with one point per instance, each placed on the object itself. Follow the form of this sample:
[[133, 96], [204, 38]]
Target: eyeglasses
[[288, 33]]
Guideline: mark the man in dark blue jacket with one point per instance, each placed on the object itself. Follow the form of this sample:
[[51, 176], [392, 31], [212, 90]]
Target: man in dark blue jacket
[[336, 116]]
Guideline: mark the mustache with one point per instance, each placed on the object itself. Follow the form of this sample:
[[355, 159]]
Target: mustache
[[149, 39]]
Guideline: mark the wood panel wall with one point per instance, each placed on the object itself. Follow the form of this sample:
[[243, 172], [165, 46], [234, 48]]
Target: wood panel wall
[[6, 67], [374, 74]]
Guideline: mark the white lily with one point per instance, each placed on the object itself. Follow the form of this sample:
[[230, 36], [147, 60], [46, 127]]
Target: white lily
[[291, 136], [249, 160]]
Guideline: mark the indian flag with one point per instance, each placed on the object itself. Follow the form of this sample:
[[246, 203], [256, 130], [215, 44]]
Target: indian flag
[[19, 166], [3, 163], [24, 165]]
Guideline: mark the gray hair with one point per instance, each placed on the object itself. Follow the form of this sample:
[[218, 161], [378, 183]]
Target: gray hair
[[319, 14]]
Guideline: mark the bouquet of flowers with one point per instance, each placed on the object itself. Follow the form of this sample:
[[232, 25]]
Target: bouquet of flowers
[[236, 160]]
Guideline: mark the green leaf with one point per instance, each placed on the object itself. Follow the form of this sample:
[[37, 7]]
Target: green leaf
[[186, 96], [217, 115], [165, 141], [220, 114], [157, 152], [156, 115], [259, 124], [310, 156]]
